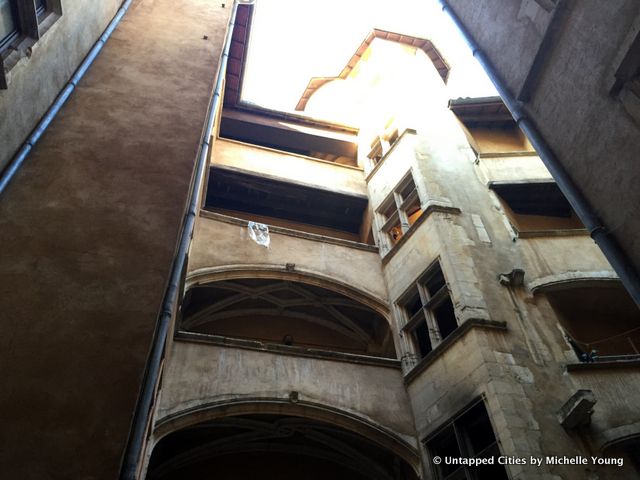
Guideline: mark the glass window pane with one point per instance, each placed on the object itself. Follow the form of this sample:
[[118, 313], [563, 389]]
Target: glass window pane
[[8, 22]]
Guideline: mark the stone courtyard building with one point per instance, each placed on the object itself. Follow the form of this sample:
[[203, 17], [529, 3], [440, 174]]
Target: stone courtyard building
[[196, 287]]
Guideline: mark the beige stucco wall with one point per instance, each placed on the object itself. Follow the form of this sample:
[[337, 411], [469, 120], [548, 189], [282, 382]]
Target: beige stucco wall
[[201, 375], [219, 245], [89, 226]]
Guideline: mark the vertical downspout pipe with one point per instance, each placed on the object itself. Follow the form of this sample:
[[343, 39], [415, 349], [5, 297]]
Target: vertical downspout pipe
[[609, 246], [142, 416], [18, 160]]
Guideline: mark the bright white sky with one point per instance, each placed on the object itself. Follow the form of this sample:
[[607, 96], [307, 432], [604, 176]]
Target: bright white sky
[[294, 40]]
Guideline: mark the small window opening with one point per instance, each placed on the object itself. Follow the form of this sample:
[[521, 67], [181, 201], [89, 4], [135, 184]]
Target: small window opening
[[429, 312], [400, 210], [381, 145]]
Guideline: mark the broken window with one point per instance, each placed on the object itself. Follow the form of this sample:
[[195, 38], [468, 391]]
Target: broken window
[[400, 210], [469, 435], [429, 313], [536, 207]]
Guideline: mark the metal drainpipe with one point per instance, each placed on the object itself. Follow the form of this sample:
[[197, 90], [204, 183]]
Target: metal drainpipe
[[615, 255], [142, 416], [17, 161]]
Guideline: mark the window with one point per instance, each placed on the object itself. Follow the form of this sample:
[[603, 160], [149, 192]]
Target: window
[[22, 23], [429, 313], [399, 210], [381, 145], [536, 207], [469, 435], [8, 23]]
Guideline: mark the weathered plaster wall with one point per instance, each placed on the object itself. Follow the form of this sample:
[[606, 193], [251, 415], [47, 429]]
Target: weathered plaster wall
[[218, 245], [202, 375], [289, 167], [35, 81], [503, 169], [514, 29], [88, 230]]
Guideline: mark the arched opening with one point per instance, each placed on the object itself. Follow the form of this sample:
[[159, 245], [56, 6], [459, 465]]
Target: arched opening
[[600, 318], [288, 313], [270, 446], [625, 452]]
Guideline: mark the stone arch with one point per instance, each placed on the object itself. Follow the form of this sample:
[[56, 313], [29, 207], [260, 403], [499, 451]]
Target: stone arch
[[276, 305], [599, 317], [403, 447], [276, 271], [571, 280]]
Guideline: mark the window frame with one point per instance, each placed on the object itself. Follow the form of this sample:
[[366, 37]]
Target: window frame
[[381, 145], [15, 33], [392, 214], [463, 443], [32, 19], [429, 303]]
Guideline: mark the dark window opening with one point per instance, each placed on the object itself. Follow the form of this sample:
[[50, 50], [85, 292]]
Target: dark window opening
[[538, 206], [381, 145], [428, 311], [469, 435], [285, 204], [400, 210], [445, 317], [8, 23], [274, 447], [290, 134], [421, 336]]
